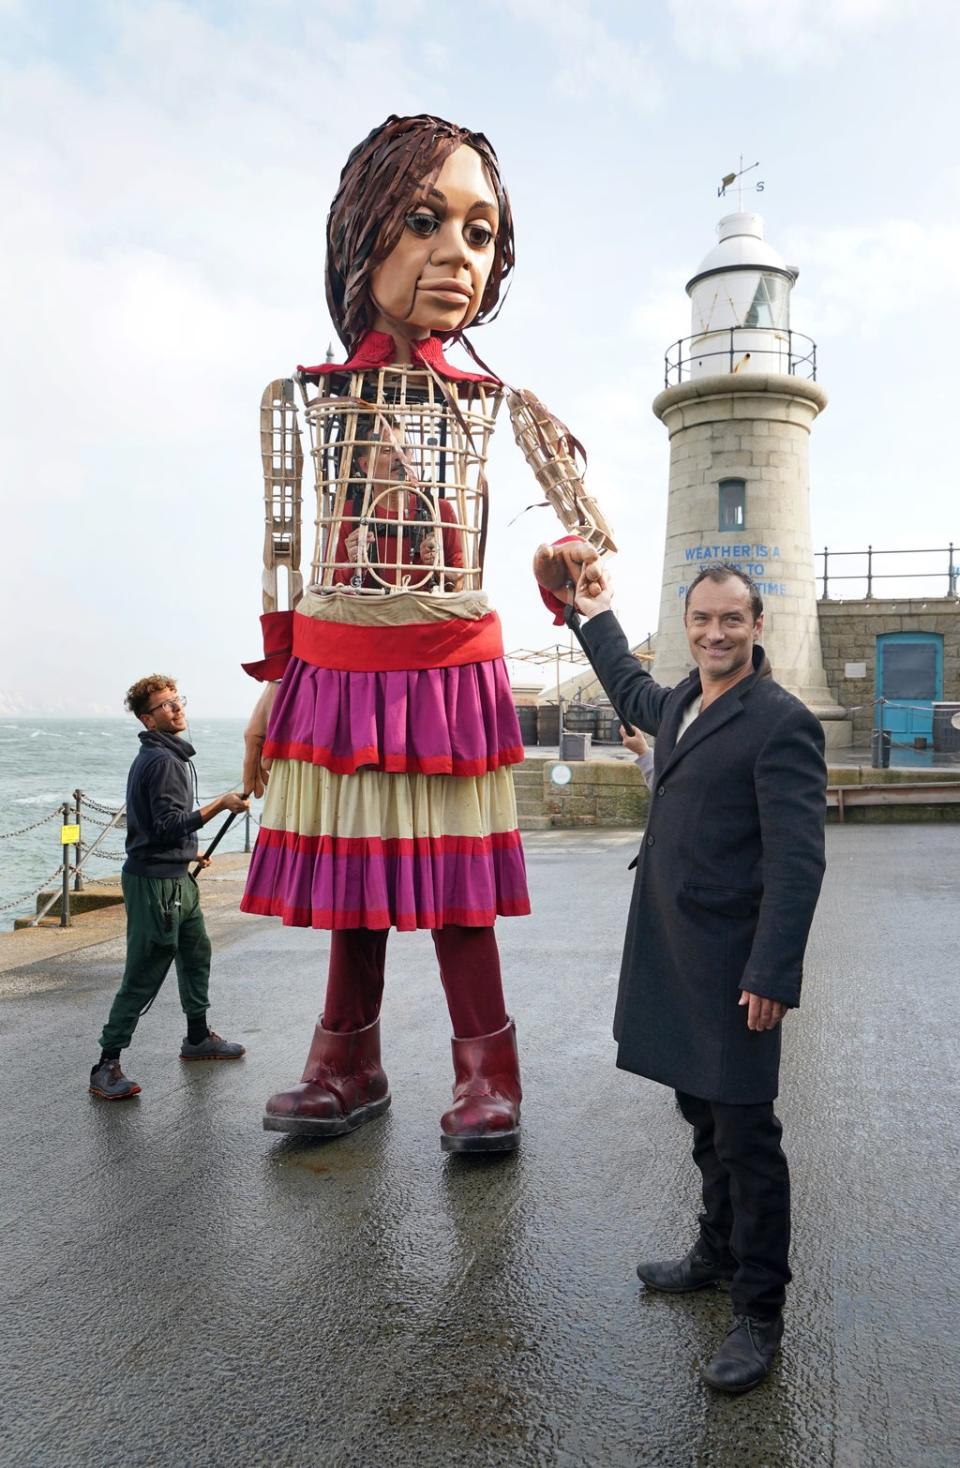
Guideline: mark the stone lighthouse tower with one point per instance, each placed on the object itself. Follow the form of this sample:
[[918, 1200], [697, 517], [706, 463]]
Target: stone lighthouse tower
[[740, 400]]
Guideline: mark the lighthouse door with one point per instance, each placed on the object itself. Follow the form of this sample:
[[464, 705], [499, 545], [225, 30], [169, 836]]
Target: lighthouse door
[[909, 679]]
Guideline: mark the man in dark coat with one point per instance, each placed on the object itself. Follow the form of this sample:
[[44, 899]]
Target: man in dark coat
[[726, 885]]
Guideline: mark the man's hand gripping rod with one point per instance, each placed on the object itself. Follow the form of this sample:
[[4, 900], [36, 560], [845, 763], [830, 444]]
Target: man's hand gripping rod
[[218, 838]]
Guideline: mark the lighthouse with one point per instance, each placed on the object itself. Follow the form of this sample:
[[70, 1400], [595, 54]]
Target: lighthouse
[[739, 402]]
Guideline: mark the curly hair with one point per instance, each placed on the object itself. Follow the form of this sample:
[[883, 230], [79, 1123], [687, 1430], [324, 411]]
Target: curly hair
[[140, 694], [367, 215]]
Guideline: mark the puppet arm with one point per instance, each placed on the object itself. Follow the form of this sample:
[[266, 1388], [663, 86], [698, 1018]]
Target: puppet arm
[[281, 452], [551, 451]]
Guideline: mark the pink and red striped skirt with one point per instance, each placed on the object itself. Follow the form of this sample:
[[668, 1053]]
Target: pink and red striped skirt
[[391, 801]]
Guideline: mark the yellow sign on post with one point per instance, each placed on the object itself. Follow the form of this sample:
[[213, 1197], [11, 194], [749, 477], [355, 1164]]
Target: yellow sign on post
[[69, 835]]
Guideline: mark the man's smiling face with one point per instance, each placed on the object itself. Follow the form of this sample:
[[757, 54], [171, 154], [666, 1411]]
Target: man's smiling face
[[720, 627]]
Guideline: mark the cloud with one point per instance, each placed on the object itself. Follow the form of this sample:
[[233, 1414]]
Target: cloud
[[591, 60], [857, 279], [784, 33]]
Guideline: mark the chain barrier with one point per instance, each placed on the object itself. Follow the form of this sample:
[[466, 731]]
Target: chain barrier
[[19, 901], [93, 821], [8, 835], [107, 856], [106, 810]]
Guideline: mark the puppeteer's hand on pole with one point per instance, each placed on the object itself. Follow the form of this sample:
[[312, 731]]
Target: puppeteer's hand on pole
[[571, 568]]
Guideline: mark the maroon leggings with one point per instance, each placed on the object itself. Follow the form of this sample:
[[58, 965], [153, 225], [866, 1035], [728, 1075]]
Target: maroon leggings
[[469, 969]]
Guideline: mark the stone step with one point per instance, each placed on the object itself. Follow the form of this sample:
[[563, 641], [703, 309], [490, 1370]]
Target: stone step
[[91, 899], [535, 823]]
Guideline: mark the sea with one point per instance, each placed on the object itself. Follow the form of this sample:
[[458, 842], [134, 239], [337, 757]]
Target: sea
[[43, 761]]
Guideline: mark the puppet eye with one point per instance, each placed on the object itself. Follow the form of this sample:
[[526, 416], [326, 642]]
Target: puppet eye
[[479, 236], [422, 224]]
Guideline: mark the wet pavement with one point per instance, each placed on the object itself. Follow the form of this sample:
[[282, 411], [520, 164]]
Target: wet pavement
[[181, 1287]]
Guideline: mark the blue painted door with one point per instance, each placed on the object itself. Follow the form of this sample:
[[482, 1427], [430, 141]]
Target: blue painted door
[[910, 678]]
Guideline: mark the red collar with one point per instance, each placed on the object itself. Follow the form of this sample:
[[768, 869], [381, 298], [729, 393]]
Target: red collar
[[377, 349]]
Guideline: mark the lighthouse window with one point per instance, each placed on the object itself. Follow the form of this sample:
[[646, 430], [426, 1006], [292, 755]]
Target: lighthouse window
[[733, 504], [769, 305]]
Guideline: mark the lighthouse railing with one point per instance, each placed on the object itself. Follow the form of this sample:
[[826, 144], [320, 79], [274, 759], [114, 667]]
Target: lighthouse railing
[[866, 574], [733, 349]]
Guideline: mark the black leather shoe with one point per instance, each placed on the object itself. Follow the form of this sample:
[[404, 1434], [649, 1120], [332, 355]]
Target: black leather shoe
[[746, 1354], [108, 1082], [679, 1276]]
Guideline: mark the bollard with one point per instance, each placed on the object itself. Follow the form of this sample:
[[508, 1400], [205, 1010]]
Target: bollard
[[879, 749], [65, 849], [77, 872]]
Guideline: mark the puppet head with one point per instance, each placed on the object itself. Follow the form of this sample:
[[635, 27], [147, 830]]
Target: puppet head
[[376, 212]]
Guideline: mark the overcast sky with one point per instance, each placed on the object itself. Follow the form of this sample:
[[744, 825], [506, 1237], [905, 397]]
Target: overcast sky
[[168, 169]]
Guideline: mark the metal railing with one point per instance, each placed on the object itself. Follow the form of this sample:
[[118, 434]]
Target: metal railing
[[795, 353], [950, 574], [78, 812]]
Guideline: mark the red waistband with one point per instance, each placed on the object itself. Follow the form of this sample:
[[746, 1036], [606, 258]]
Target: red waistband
[[417, 645]]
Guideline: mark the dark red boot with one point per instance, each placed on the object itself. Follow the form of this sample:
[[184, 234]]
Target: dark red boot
[[343, 1086], [485, 1116]]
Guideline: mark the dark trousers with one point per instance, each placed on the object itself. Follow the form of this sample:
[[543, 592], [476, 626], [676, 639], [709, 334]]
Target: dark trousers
[[746, 1199], [164, 926], [469, 963]]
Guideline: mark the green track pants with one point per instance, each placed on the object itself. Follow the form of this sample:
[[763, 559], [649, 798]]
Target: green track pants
[[164, 926]]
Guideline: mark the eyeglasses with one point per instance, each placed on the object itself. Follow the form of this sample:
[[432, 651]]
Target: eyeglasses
[[171, 705]]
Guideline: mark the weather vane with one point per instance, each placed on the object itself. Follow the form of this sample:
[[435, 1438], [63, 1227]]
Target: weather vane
[[737, 178]]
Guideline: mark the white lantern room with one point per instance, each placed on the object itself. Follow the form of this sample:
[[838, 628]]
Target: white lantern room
[[740, 307]]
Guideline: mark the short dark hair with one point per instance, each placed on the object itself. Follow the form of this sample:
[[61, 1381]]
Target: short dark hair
[[140, 695], [723, 572], [377, 185]]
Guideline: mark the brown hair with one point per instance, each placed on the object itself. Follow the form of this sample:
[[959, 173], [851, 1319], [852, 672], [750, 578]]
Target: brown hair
[[723, 572], [140, 695], [367, 215]]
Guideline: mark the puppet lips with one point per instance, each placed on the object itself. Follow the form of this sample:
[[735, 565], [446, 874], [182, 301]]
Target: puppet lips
[[450, 289]]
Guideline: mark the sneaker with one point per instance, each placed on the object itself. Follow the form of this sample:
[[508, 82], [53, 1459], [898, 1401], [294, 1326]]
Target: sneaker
[[212, 1048], [108, 1082]]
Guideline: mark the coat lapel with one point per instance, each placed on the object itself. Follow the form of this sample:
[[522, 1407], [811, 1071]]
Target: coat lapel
[[719, 713]]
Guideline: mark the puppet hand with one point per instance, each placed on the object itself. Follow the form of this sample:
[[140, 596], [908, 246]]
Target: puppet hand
[[762, 1014], [561, 568], [427, 547], [256, 769], [352, 544]]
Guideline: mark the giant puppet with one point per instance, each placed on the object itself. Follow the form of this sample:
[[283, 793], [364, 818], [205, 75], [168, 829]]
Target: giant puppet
[[386, 729]]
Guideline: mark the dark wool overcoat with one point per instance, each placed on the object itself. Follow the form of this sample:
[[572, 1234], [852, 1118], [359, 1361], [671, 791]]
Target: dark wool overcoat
[[727, 878]]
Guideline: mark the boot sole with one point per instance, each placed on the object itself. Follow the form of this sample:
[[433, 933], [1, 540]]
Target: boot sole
[[190, 1059], [497, 1142], [124, 1096], [304, 1126], [708, 1284], [737, 1391]]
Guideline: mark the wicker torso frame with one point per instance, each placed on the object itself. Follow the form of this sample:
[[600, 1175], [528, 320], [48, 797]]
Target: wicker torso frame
[[400, 466], [399, 457]]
